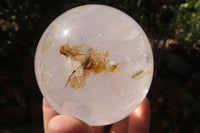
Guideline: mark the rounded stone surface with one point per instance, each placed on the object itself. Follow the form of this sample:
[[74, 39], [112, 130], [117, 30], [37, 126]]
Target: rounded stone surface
[[94, 63]]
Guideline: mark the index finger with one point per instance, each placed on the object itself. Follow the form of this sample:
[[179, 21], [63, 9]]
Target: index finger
[[139, 120]]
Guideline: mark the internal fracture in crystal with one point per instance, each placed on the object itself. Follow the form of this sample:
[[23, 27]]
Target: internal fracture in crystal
[[91, 61]]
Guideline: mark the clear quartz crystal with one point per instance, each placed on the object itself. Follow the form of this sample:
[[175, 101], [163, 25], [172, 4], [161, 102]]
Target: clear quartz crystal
[[102, 97]]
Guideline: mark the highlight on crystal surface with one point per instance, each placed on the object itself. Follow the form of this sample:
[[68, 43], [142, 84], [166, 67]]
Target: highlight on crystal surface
[[94, 63]]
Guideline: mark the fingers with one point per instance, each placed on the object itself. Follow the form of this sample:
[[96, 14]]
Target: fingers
[[55, 123], [48, 114], [139, 120], [98, 129], [67, 124], [120, 127]]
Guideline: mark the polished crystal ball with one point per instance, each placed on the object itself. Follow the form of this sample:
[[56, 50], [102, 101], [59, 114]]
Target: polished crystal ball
[[94, 63]]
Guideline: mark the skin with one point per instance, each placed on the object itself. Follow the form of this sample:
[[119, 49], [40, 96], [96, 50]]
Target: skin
[[137, 122]]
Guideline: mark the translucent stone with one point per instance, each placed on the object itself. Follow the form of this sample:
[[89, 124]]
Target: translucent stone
[[75, 82]]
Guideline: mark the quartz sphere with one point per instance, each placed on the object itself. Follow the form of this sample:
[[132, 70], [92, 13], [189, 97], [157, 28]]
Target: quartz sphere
[[94, 63]]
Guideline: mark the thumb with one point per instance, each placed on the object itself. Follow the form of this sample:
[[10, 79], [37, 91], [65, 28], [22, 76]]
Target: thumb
[[67, 124]]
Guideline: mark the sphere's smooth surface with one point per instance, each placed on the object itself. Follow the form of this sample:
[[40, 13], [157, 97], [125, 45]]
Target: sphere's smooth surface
[[104, 97]]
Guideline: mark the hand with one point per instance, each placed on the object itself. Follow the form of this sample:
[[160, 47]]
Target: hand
[[137, 122]]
